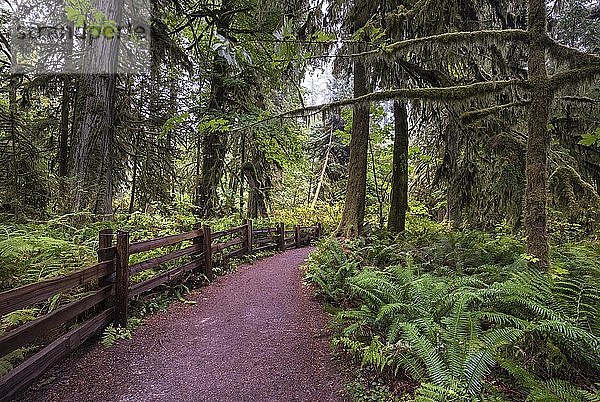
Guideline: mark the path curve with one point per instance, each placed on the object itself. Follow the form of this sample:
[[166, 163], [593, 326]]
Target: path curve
[[254, 335]]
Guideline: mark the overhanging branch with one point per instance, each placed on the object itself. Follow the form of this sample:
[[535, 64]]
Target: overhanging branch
[[454, 93], [450, 38], [475, 115], [574, 76], [563, 52]]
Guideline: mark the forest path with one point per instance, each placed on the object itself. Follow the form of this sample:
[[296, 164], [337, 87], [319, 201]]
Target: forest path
[[254, 335]]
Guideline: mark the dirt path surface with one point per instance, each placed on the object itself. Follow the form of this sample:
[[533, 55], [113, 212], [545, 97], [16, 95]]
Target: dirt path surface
[[254, 335]]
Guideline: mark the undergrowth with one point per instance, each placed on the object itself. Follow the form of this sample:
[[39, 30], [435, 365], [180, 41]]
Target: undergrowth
[[463, 317], [34, 251]]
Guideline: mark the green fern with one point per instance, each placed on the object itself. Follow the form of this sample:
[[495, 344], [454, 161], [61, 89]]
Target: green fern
[[112, 335], [454, 333]]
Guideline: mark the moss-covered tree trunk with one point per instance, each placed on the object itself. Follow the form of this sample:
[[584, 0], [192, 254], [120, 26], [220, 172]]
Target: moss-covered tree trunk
[[538, 144], [214, 142], [354, 204], [257, 206], [399, 196]]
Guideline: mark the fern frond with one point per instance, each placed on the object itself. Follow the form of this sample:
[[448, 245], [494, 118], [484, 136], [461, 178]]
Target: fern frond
[[423, 348], [476, 366], [561, 391], [435, 393]]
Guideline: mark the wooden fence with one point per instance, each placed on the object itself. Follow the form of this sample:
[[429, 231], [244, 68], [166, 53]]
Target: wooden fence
[[108, 287]]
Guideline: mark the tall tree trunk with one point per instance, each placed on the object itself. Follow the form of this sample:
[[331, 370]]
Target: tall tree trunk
[[65, 118], [13, 110], [538, 144], [399, 197], [92, 159], [354, 204], [323, 169], [63, 143], [214, 142], [94, 133], [257, 206]]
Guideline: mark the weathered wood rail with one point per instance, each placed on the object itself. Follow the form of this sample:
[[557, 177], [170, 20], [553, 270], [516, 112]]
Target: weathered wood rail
[[107, 288]]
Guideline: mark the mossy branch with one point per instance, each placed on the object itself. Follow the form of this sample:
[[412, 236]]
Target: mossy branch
[[476, 115], [455, 93], [483, 36], [577, 57], [574, 76], [450, 38]]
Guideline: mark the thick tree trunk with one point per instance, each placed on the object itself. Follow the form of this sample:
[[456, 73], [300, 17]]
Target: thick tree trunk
[[354, 204], [399, 197], [94, 128], [257, 206], [63, 143], [538, 144], [92, 159], [214, 142]]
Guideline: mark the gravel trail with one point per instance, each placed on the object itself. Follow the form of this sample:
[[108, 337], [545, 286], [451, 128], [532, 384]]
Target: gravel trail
[[254, 335]]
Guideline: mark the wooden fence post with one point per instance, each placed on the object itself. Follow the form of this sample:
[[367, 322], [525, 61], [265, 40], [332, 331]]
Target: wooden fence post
[[208, 268], [281, 236], [105, 240], [197, 241], [122, 285], [248, 240], [297, 237]]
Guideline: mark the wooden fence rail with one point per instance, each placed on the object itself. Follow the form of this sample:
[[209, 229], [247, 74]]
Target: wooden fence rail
[[108, 287]]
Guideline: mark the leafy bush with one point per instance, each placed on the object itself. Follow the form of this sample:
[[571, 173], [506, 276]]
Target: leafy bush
[[327, 215], [465, 317]]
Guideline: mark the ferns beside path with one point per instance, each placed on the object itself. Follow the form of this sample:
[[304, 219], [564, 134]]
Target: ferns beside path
[[465, 317]]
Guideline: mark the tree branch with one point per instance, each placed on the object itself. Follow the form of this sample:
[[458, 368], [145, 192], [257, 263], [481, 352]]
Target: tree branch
[[451, 37], [476, 115], [563, 52], [574, 76], [460, 92], [454, 93]]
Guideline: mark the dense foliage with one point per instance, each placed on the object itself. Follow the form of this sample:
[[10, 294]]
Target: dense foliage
[[470, 129], [462, 317]]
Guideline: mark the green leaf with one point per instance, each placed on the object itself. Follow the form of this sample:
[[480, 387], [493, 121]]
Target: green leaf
[[591, 139]]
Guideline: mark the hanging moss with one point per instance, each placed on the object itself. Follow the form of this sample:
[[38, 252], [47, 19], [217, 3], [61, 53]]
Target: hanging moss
[[573, 56], [578, 76], [573, 196]]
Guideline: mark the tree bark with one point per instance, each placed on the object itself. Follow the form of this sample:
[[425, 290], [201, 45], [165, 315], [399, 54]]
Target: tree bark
[[94, 132], [63, 150], [538, 144], [351, 224], [323, 169], [257, 207], [13, 111], [214, 142], [399, 196]]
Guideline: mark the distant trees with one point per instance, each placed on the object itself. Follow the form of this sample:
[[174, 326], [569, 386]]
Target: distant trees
[[137, 141], [488, 91]]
